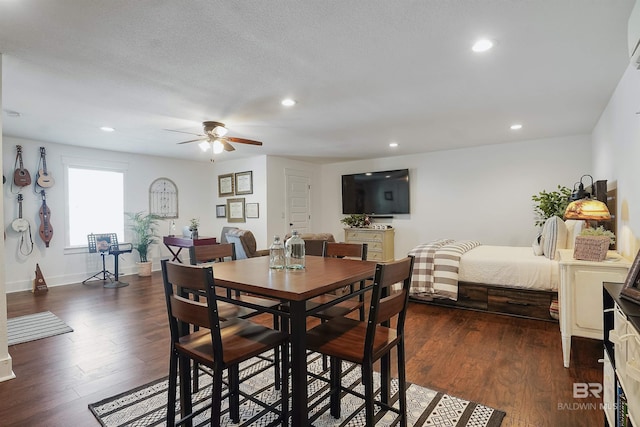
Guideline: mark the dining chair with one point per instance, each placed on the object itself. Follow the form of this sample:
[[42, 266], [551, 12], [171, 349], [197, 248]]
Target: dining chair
[[364, 343], [226, 251], [219, 344]]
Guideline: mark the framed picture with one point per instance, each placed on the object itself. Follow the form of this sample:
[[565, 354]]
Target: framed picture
[[244, 182], [631, 289], [221, 211], [252, 210], [235, 210], [225, 185]]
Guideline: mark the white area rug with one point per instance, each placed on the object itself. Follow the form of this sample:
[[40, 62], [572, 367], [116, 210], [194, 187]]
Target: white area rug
[[146, 405], [34, 327]]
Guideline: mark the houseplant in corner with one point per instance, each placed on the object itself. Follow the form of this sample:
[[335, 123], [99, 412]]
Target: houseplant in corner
[[548, 204], [144, 227]]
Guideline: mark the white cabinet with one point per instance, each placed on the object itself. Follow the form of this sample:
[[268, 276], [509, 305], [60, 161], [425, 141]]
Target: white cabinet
[[580, 295], [621, 388], [379, 242]]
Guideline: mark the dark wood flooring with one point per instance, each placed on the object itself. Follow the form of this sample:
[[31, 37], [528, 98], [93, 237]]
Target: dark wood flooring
[[120, 341]]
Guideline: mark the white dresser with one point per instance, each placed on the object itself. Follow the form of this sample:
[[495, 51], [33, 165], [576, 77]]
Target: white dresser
[[580, 295], [379, 242]]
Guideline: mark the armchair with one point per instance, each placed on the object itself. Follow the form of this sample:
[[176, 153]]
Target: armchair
[[245, 243]]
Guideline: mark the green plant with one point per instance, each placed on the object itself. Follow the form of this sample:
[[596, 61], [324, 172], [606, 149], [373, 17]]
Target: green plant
[[551, 203], [194, 223], [356, 220], [144, 227], [599, 231]]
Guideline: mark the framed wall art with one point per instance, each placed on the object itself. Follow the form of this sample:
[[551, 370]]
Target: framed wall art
[[163, 198], [631, 289], [225, 185], [244, 182], [252, 210], [235, 210], [221, 211]]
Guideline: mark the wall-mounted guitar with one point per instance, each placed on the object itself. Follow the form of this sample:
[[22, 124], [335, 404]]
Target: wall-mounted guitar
[[21, 176], [46, 231], [44, 180], [23, 227]]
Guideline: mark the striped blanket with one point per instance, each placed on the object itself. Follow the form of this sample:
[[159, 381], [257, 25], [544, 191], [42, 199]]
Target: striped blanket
[[436, 266]]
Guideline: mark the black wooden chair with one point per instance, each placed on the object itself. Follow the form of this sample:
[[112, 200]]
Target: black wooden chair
[[364, 343], [219, 345]]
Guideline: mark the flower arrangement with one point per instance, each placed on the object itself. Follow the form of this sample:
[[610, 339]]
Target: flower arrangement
[[356, 220]]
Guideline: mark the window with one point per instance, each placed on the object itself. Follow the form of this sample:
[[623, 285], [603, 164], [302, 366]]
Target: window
[[95, 201]]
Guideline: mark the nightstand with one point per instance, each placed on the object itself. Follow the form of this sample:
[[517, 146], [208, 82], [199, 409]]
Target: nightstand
[[580, 295]]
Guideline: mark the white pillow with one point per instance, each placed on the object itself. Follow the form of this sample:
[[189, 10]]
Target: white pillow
[[574, 227], [554, 236], [537, 248]]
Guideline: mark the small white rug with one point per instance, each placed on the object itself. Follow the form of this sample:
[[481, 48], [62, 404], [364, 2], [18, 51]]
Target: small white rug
[[34, 327]]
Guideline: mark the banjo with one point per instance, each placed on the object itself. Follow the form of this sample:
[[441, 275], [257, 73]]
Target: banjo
[[19, 224]]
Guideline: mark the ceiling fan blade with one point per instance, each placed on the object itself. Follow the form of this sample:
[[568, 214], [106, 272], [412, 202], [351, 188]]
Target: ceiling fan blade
[[244, 141], [181, 131], [227, 146], [193, 140]]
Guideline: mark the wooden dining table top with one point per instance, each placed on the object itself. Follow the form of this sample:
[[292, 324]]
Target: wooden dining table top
[[320, 275]]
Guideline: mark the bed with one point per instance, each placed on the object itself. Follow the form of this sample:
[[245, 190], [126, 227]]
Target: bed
[[519, 281]]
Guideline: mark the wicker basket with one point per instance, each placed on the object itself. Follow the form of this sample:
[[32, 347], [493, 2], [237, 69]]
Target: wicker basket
[[591, 248]]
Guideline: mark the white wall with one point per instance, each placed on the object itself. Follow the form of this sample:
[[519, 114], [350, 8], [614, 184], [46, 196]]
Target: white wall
[[194, 180], [481, 193], [616, 153]]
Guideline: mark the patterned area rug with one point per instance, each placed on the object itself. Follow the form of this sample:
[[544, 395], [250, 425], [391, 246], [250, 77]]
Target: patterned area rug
[[34, 327], [146, 405]]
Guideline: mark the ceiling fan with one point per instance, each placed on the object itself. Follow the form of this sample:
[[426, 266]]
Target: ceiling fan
[[214, 137]]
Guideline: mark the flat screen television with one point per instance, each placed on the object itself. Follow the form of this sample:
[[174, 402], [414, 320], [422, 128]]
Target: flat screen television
[[376, 193]]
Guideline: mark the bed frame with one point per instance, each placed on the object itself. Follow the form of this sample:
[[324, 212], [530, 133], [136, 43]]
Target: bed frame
[[530, 304]]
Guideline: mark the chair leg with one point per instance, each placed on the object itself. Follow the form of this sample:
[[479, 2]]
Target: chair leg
[[402, 385], [186, 407], [234, 394], [335, 383], [367, 380], [276, 357], [216, 396], [172, 390]]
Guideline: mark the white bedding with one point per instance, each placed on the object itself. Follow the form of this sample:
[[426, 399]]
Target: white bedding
[[515, 267]]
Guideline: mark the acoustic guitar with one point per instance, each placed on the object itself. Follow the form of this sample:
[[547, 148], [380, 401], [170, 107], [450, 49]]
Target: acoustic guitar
[[19, 224], [46, 231], [45, 180], [21, 176]]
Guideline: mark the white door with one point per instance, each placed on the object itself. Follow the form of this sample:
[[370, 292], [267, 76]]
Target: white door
[[298, 200]]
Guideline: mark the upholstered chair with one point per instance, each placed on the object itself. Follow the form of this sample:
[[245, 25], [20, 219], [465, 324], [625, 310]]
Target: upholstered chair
[[245, 243]]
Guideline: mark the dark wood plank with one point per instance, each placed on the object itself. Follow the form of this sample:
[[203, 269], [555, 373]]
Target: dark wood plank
[[121, 341]]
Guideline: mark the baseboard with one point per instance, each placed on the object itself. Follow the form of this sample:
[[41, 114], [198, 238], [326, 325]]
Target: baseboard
[[6, 369]]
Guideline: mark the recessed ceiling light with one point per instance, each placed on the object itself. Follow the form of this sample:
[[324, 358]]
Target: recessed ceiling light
[[482, 45], [516, 126], [107, 129], [393, 144], [288, 102]]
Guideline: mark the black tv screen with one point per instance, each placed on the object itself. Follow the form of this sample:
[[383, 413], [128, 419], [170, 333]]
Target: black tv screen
[[376, 193]]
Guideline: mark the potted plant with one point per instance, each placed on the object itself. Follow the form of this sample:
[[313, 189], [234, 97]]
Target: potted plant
[[356, 220], [193, 227], [593, 243], [144, 227], [552, 203]]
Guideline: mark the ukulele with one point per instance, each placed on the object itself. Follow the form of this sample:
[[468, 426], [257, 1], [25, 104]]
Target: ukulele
[[21, 176], [46, 232], [19, 224], [44, 179]]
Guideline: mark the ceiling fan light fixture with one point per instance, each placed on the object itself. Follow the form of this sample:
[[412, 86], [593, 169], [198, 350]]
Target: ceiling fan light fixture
[[219, 131], [204, 145], [218, 147]]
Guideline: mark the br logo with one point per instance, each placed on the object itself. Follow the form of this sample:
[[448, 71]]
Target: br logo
[[584, 390]]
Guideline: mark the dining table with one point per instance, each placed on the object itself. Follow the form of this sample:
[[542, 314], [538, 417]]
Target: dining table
[[321, 275]]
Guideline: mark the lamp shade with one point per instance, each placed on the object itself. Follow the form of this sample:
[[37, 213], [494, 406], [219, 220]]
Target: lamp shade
[[587, 209]]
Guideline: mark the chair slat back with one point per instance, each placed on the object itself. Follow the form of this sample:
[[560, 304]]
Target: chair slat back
[[211, 253], [341, 250], [384, 304], [182, 281]]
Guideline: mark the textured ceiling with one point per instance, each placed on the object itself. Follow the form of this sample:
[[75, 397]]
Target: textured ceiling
[[364, 73]]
